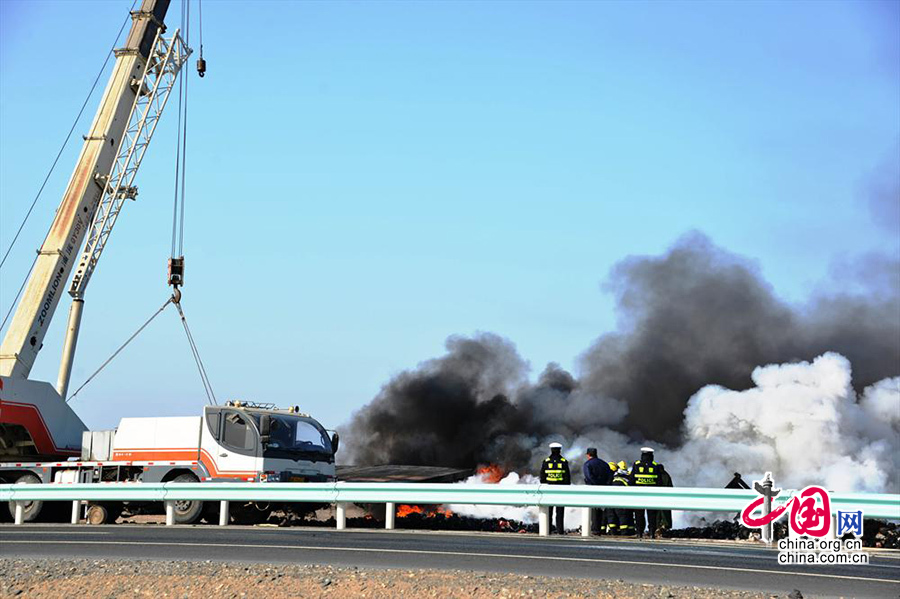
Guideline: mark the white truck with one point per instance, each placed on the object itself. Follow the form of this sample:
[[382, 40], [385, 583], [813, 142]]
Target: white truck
[[239, 441]]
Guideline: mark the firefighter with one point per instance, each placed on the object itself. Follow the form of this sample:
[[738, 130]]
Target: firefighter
[[555, 471], [621, 520], [646, 473], [596, 472]]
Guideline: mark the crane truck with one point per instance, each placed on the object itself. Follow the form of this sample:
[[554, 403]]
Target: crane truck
[[42, 440]]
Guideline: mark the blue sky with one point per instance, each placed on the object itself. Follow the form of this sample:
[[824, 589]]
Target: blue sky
[[366, 179]]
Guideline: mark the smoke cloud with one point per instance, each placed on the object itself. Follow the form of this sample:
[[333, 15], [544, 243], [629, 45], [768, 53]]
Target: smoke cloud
[[451, 411], [700, 315], [802, 421], [707, 364], [883, 191]]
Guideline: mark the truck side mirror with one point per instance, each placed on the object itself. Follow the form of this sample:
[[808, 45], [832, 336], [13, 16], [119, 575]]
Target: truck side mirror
[[335, 442], [265, 425]]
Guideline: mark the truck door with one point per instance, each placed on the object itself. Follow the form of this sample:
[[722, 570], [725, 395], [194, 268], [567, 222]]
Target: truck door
[[230, 446]]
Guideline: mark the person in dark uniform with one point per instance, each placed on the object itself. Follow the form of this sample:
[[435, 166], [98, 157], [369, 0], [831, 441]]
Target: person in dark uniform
[[664, 522], [621, 520], [646, 473], [596, 472], [555, 471]]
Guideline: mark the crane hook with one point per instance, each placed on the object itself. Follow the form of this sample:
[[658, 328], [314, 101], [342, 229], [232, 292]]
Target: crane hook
[[201, 66]]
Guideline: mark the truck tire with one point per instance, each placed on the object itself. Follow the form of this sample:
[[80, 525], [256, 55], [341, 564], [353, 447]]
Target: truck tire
[[187, 512], [32, 508], [97, 515], [104, 513]]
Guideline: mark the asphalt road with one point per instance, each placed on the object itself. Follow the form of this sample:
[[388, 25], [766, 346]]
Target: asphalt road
[[722, 564]]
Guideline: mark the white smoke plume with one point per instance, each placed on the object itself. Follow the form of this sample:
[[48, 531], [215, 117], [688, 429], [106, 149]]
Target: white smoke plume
[[803, 422], [527, 514]]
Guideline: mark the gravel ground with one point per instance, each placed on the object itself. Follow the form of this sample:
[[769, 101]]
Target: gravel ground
[[203, 580]]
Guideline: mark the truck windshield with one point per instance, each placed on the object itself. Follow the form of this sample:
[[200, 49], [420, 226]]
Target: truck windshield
[[293, 437]]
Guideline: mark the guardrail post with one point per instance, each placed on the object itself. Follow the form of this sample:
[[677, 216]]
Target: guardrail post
[[340, 516], [223, 513], [767, 532], [20, 512], [170, 513], [76, 511], [544, 520], [390, 512], [585, 521]]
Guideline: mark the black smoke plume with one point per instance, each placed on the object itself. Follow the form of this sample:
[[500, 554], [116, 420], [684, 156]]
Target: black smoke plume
[[695, 316], [449, 412], [700, 315]]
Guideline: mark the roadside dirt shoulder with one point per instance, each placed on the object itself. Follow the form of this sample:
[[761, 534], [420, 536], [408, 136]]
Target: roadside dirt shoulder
[[41, 579]]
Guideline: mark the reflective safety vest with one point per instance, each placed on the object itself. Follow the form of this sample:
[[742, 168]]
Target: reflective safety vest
[[620, 479], [555, 471], [645, 474]]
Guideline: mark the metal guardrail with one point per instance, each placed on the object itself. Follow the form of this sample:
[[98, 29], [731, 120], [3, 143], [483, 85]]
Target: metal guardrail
[[885, 506]]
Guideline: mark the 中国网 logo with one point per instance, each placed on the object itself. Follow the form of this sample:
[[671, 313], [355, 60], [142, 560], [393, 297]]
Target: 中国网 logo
[[810, 512], [810, 522]]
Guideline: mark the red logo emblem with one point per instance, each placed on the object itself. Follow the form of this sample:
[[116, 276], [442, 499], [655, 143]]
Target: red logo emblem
[[810, 512]]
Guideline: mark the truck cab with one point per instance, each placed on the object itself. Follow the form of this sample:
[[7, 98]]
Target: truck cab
[[265, 444], [238, 441]]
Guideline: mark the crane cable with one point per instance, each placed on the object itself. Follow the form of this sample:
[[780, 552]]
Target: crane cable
[[171, 300], [204, 378], [195, 351], [177, 232], [179, 202], [53, 167], [201, 63], [181, 145], [68, 136]]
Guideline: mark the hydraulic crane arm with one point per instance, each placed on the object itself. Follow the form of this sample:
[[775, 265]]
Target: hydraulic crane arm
[[102, 178]]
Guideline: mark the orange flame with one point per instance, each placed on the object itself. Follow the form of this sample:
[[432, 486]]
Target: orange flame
[[492, 473], [430, 512], [405, 510]]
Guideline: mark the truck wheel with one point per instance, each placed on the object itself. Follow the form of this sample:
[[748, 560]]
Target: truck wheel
[[97, 514], [104, 513], [32, 508], [187, 512]]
